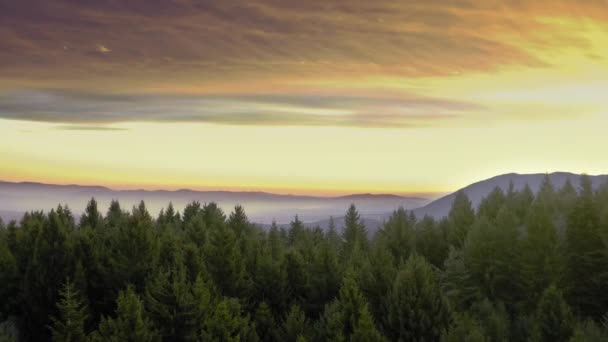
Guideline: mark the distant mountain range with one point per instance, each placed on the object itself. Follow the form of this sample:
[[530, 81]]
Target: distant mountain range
[[263, 207]]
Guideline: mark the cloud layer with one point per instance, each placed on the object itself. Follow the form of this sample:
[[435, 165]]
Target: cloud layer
[[243, 62], [337, 110]]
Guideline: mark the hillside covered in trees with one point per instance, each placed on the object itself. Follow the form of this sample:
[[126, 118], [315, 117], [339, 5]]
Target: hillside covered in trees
[[520, 267]]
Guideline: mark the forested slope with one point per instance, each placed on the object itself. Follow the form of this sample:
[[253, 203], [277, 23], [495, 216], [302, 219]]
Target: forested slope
[[521, 267]]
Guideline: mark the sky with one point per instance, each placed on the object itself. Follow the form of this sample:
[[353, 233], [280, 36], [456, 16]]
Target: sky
[[312, 97]]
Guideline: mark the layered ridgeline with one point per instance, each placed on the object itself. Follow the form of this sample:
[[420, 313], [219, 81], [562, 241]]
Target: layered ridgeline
[[262, 207], [522, 267]]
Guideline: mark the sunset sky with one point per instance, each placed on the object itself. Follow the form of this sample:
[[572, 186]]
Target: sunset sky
[[316, 97]]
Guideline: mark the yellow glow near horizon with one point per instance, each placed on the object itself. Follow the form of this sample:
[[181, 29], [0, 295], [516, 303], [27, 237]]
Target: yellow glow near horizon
[[545, 112]]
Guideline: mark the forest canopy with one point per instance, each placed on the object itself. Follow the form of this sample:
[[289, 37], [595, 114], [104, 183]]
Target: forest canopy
[[520, 267]]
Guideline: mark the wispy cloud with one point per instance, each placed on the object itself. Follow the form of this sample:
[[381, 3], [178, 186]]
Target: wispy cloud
[[201, 41], [89, 110]]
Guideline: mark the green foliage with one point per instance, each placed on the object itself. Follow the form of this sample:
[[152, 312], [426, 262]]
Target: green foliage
[[418, 310], [464, 328], [354, 235], [398, 235], [295, 324], [207, 277], [588, 331], [461, 217], [227, 323], [130, 323], [172, 306], [586, 257], [348, 317], [68, 326], [554, 319]]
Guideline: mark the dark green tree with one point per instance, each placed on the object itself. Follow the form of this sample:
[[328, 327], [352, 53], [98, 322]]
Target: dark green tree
[[294, 325], [228, 323], [354, 234], [418, 310], [69, 325], [461, 218], [130, 323], [554, 319], [172, 305], [91, 216]]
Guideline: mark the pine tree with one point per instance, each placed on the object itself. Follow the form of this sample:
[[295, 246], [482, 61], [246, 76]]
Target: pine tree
[[376, 280], [46, 272], [365, 330], [348, 314], [492, 203], [238, 221], [68, 326], [457, 282], [265, 323], [130, 323], [354, 234], [588, 331], [172, 306], [587, 266], [554, 319], [223, 260], [540, 259], [9, 278], [431, 242], [91, 216], [465, 329], [461, 218], [295, 324], [296, 230], [115, 215], [398, 235], [491, 256], [228, 324], [418, 311]]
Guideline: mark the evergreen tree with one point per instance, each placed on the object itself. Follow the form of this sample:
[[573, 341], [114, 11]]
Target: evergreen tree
[[69, 325], [491, 256], [398, 235], [296, 230], [227, 323], [418, 311], [295, 324], [9, 278], [465, 329], [492, 203], [130, 323], [431, 242], [540, 262], [265, 323], [115, 215], [91, 216], [223, 260], [172, 306], [588, 331], [461, 218], [587, 264], [554, 319], [354, 234], [49, 266], [348, 314], [238, 221], [457, 282], [365, 330]]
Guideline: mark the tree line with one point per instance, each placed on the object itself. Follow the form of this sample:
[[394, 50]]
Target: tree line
[[519, 267]]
